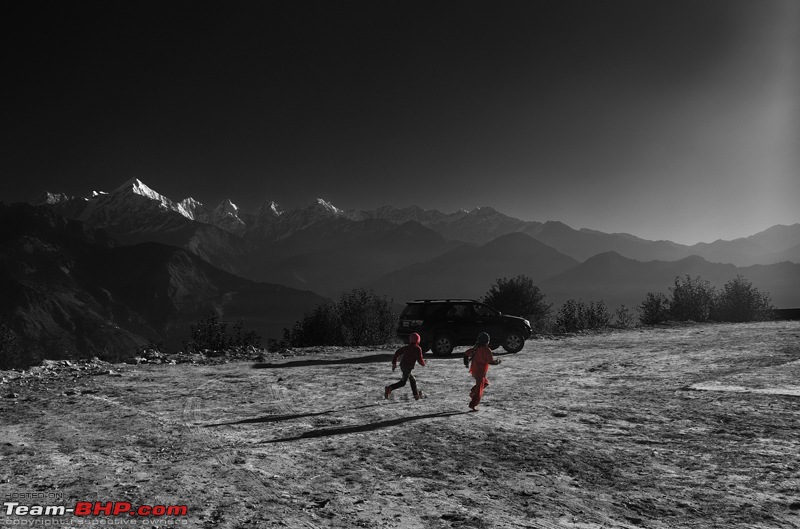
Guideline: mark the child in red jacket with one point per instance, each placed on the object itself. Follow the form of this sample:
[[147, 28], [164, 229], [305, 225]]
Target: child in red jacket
[[409, 355], [481, 357]]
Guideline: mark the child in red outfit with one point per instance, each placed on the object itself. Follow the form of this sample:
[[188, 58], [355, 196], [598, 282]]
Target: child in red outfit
[[409, 355], [481, 357]]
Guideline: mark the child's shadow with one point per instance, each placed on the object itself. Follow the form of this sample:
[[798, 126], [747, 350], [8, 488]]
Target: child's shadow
[[328, 432]]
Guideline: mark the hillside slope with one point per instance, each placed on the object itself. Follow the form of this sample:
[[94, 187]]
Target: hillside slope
[[65, 293], [470, 271], [356, 261]]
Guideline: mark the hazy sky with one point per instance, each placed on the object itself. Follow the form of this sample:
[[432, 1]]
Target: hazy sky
[[665, 119]]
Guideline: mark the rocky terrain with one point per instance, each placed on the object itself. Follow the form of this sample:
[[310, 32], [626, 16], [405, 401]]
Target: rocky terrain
[[69, 292], [677, 426]]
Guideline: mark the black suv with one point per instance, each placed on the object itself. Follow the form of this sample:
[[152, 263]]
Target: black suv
[[445, 323]]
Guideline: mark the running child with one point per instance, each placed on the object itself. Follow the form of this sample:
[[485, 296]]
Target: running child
[[408, 355], [481, 357]]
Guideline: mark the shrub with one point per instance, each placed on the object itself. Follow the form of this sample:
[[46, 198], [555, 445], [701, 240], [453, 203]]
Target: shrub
[[244, 338], [366, 318], [520, 297], [547, 325], [692, 299], [740, 301], [576, 316], [654, 309], [568, 318], [320, 326], [211, 335], [624, 316], [596, 315], [360, 317]]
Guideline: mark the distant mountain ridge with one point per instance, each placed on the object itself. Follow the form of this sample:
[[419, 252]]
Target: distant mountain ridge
[[618, 280], [269, 224], [469, 271], [133, 213]]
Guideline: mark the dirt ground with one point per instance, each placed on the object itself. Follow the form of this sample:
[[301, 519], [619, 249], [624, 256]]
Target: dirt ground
[[684, 426]]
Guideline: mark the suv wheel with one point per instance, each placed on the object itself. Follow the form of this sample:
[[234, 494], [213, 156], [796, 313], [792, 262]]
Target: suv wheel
[[443, 344], [514, 342]]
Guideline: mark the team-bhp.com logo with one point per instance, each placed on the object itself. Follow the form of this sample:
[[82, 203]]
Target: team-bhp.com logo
[[95, 508], [119, 508]]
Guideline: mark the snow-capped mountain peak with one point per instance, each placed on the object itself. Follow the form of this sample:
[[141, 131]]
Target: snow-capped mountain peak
[[318, 210], [265, 221], [269, 209], [140, 188], [227, 208], [324, 205], [53, 198], [135, 187], [190, 202], [226, 216], [193, 209], [484, 210]]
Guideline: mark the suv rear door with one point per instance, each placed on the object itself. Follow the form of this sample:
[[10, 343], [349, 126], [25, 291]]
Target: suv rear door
[[489, 320], [418, 317], [460, 319]]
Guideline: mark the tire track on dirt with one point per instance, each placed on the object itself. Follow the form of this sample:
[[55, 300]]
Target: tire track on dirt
[[138, 411], [224, 454], [182, 492], [280, 399]]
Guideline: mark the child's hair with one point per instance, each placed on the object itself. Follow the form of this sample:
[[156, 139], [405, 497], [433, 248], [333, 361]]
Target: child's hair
[[413, 338], [483, 339]]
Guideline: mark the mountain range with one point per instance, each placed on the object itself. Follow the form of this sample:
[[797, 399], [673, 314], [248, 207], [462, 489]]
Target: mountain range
[[68, 287], [468, 271], [618, 280], [329, 250], [135, 201], [134, 265]]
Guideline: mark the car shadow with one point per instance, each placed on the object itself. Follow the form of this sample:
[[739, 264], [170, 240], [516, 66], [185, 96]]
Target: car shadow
[[369, 359], [385, 357], [459, 354], [288, 417], [329, 432]]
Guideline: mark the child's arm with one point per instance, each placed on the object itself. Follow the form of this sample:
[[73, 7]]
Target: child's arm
[[468, 356], [394, 359], [492, 360]]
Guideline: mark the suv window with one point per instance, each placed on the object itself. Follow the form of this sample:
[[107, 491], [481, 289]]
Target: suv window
[[419, 310], [460, 310], [484, 310]]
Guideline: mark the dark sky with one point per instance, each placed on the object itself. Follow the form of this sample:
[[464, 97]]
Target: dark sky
[[666, 119]]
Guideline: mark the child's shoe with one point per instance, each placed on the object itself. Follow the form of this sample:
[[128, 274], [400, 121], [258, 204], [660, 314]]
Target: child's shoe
[[418, 395], [386, 392]]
